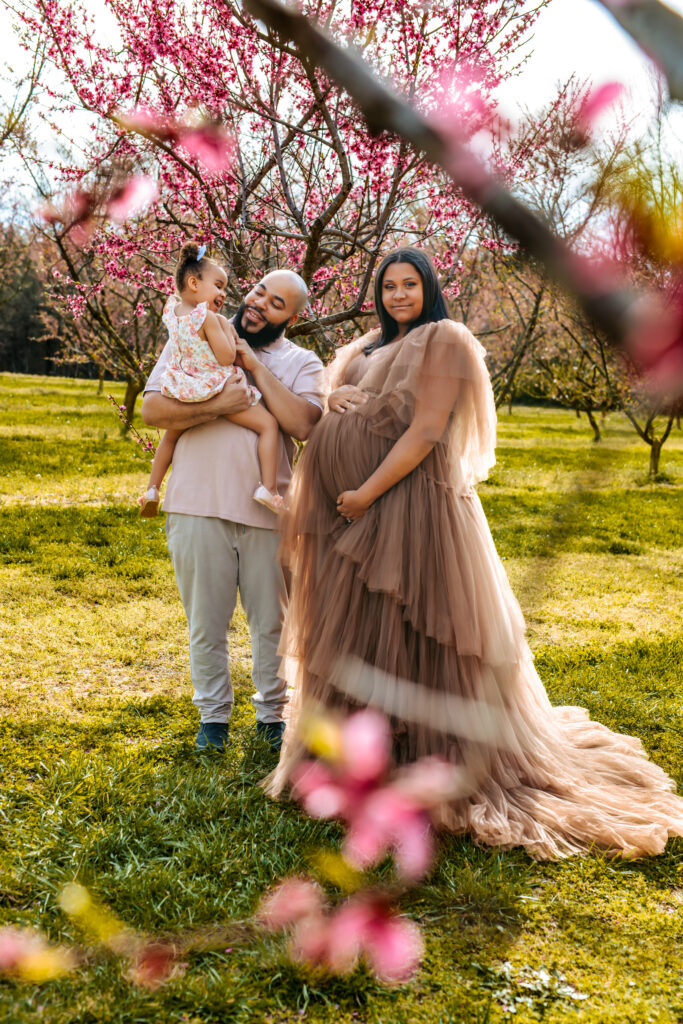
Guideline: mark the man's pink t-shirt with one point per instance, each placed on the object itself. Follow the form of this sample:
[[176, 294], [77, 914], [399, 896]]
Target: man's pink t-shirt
[[215, 465]]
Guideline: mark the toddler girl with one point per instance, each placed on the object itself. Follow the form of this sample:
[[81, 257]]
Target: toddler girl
[[201, 359]]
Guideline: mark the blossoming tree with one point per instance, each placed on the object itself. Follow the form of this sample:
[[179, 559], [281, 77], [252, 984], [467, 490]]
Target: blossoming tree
[[303, 183]]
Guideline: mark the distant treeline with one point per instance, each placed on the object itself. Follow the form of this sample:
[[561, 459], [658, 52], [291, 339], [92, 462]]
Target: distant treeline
[[29, 355], [25, 346]]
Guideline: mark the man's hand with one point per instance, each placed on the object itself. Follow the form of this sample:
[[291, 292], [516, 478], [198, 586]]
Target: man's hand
[[235, 397], [294, 413], [245, 354]]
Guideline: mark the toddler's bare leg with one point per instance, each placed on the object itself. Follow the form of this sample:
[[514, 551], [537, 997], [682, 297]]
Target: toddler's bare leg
[[163, 458], [258, 419]]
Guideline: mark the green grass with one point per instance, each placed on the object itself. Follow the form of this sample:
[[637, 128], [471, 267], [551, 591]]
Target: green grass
[[100, 781]]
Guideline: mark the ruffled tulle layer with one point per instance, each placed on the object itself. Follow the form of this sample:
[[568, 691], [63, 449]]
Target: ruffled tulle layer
[[409, 609]]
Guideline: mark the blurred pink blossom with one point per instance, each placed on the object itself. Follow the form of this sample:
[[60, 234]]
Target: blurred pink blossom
[[148, 122], [392, 946], [15, 944], [75, 213], [292, 900], [309, 943], [208, 141], [362, 927], [655, 343], [459, 105], [430, 781], [382, 817], [321, 795], [594, 103], [82, 231], [211, 144], [388, 820], [50, 215], [366, 739], [79, 209], [26, 954], [154, 964], [132, 196]]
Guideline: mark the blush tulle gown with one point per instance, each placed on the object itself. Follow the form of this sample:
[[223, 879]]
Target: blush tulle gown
[[409, 609]]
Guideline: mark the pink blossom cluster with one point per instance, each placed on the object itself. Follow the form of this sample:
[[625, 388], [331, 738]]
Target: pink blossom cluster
[[383, 815], [363, 927], [350, 780]]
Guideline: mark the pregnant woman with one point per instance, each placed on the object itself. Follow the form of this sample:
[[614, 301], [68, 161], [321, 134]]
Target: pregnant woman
[[399, 599]]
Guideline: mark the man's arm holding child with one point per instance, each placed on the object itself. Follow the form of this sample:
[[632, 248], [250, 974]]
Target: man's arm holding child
[[170, 414]]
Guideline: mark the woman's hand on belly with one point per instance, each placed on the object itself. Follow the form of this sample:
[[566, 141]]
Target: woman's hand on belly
[[353, 504], [345, 397]]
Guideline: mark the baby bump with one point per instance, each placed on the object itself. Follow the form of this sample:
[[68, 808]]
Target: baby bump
[[343, 452]]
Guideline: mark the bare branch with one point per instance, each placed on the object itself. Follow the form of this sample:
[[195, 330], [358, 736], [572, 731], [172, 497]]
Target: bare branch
[[608, 307]]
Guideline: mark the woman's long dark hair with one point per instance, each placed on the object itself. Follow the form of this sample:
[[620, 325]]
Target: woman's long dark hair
[[433, 304]]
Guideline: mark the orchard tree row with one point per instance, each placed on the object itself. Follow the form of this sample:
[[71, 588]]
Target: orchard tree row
[[236, 138]]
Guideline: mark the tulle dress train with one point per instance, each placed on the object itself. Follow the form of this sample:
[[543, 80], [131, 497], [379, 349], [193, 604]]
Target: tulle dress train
[[409, 609]]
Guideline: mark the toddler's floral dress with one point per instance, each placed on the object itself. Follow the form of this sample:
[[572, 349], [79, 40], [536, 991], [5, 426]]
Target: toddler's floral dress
[[193, 374]]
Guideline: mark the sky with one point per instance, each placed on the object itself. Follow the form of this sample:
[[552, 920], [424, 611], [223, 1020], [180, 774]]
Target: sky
[[571, 36], [579, 36]]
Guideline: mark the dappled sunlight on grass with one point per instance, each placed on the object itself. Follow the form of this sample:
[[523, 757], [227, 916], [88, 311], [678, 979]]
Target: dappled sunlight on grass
[[61, 444], [590, 598]]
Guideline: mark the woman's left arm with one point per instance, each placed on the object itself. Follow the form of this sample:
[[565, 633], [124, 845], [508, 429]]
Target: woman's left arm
[[427, 427]]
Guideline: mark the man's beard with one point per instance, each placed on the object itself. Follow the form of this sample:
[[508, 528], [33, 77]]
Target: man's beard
[[257, 339]]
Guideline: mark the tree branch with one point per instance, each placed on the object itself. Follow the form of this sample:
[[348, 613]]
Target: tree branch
[[607, 305]]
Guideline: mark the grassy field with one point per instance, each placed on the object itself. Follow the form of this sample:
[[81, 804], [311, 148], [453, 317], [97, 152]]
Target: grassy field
[[100, 781]]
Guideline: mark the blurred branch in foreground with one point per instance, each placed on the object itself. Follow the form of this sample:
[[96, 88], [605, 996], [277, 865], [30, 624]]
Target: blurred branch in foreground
[[658, 31], [645, 324]]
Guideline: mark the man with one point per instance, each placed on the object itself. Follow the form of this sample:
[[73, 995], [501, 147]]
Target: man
[[219, 538]]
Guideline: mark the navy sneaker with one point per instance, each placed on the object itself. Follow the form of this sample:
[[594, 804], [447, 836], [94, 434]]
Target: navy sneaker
[[214, 735], [271, 731]]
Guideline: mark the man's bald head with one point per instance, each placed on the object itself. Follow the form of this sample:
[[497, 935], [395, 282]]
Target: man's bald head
[[290, 284]]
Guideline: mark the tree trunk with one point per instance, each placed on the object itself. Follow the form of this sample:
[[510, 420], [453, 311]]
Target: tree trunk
[[511, 395], [655, 452], [594, 424], [100, 385], [133, 388]]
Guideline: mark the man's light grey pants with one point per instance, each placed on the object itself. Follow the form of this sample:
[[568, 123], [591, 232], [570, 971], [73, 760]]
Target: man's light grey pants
[[212, 558]]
